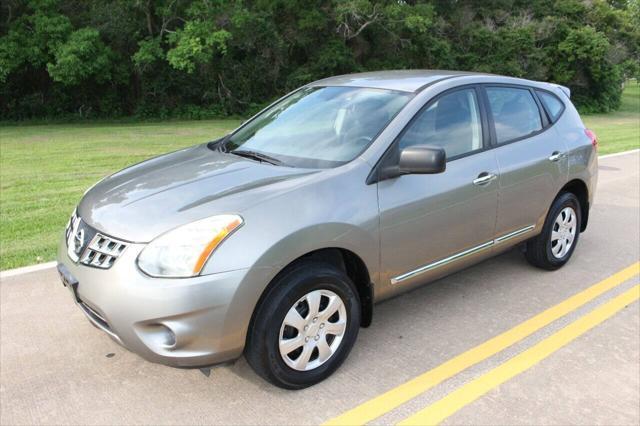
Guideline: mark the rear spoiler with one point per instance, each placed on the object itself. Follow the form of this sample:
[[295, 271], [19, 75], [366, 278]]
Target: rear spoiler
[[564, 89]]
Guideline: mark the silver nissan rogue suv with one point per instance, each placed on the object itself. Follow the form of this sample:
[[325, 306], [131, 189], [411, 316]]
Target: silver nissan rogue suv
[[276, 240]]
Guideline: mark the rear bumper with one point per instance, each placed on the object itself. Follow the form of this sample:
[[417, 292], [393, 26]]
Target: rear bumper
[[180, 322]]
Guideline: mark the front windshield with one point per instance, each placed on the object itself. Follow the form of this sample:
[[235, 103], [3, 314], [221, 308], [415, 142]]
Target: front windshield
[[319, 127]]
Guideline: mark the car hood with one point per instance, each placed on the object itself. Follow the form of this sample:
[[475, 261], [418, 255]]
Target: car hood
[[145, 200]]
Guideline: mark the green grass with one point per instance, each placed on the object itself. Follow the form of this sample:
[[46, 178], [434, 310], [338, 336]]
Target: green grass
[[44, 169], [620, 130]]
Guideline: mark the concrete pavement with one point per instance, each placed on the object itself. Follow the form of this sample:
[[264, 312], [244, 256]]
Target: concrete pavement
[[56, 368]]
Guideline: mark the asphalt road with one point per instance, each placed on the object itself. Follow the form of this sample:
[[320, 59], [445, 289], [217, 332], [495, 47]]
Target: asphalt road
[[56, 368]]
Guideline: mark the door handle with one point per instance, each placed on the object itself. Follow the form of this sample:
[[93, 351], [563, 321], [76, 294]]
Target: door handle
[[557, 155], [484, 178]]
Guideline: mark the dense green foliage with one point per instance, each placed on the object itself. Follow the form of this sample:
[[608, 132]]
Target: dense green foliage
[[201, 58]]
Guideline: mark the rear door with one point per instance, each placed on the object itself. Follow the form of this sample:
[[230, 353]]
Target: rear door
[[531, 158]]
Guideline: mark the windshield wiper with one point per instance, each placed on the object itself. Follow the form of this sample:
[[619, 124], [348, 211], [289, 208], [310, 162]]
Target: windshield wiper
[[254, 155]]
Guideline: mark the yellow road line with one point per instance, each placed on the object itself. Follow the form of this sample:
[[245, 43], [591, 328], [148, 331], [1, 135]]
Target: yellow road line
[[443, 408], [397, 396]]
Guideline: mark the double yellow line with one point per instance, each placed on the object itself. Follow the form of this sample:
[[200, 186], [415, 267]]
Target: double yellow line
[[443, 408]]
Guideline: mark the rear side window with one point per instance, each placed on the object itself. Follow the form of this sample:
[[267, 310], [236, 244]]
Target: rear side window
[[515, 113], [451, 122], [552, 104]]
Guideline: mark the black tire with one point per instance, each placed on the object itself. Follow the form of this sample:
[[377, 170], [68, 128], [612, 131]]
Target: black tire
[[539, 249], [262, 349]]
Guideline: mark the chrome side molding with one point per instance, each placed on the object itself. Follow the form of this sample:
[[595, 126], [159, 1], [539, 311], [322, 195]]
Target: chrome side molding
[[514, 234], [442, 262], [461, 255]]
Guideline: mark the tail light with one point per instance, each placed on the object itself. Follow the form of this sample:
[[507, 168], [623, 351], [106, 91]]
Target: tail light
[[592, 137]]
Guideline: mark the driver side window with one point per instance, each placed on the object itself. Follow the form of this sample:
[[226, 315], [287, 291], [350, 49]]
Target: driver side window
[[451, 122]]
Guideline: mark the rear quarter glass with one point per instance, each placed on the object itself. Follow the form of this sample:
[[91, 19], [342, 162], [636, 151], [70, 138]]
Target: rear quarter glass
[[553, 105]]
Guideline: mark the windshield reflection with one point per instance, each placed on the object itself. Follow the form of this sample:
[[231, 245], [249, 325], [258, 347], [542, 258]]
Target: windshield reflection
[[320, 127]]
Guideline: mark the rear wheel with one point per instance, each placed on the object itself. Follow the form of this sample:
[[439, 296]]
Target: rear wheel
[[554, 246], [305, 327]]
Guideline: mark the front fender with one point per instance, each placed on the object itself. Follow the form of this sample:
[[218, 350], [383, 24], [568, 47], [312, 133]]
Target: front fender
[[328, 235], [287, 250]]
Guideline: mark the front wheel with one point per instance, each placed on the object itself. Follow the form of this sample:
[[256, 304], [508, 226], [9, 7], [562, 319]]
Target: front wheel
[[305, 327], [554, 246]]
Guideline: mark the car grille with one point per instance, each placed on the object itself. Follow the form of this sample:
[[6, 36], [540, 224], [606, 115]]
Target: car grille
[[99, 319], [101, 252]]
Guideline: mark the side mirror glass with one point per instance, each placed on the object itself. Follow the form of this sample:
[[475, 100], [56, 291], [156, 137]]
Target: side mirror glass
[[422, 159]]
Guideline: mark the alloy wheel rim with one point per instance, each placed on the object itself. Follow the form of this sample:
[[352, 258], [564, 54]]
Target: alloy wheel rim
[[563, 233], [312, 330]]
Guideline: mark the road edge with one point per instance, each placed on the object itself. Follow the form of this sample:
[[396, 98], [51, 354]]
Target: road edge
[[27, 269], [618, 154]]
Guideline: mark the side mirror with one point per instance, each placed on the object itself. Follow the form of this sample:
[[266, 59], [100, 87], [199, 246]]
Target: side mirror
[[417, 159], [422, 159]]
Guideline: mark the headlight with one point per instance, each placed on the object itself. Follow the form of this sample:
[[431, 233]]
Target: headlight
[[74, 214], [183, 251]]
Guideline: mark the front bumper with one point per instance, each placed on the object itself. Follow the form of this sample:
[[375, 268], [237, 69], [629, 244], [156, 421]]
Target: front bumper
[[180, 322]]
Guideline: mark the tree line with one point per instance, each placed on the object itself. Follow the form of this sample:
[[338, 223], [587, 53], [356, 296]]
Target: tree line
[[209, 58]]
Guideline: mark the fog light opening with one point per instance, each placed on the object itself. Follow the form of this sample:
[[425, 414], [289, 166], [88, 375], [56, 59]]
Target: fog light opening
[[169, 337]]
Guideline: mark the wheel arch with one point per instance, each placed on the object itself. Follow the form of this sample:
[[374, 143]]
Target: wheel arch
[[342, 258], [579, 188]]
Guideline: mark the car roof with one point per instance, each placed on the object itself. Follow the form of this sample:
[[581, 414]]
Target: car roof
[[402, 80]]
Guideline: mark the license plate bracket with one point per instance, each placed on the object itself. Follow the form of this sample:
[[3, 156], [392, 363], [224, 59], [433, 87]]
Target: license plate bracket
[[68, 280]]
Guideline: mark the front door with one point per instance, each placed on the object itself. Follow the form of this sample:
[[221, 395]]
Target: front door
[[431, 224]]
